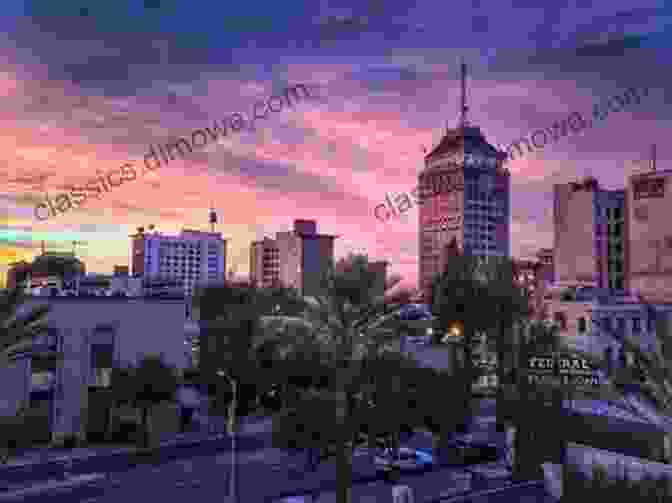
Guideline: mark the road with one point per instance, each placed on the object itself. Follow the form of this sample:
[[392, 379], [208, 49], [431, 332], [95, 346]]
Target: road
[[264, 474]]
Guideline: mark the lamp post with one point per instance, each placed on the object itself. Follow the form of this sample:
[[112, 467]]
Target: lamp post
[[233, 486]]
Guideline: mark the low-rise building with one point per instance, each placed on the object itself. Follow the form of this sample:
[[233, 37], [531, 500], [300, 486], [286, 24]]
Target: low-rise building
[[94, 334]]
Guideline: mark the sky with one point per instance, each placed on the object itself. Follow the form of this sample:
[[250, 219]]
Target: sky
[[88, 86]]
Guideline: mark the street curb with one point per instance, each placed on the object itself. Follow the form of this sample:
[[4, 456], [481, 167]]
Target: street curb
[[115, 452], [468, 495], [364, 479], [124, 451], [51, 485], [134, 456]]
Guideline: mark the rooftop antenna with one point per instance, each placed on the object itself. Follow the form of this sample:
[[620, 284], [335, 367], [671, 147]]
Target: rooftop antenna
[[653, 157], [463, 103], [213, 217]]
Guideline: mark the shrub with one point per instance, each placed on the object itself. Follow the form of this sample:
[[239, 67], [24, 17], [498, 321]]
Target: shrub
[[577, 487], [70, 441]]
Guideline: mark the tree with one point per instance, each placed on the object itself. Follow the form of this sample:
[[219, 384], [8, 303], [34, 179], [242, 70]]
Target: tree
[[342, 319], [510, 304], [144, 386], [19, 330], [397, 396], [459, 299], [279, 300], [650, 375]]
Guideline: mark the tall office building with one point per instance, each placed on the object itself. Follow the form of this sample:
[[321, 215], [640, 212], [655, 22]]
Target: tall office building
[[304, 257], [464, 194], [590, 239], [18, 273], [193, 257], [545, 260], [264, 263], [650, 235]]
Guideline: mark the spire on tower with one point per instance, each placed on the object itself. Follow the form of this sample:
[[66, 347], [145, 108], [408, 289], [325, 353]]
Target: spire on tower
[[463, 104], [213, 218]]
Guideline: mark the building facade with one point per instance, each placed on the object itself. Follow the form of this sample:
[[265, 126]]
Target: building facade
[[264, 263], [464, 194], [47, 274], [545, 261], [590, 236], [650, 235], [379, 268], [94, 334], [193, 257], [18, 273], [304, 257]]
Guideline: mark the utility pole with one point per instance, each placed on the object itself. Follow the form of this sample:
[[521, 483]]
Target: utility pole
[[231, 426]]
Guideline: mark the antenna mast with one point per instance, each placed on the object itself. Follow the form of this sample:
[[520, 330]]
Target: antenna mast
[[463, 103], [213, 218]]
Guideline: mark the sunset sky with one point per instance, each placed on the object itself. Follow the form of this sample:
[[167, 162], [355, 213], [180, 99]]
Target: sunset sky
[[87, 86]]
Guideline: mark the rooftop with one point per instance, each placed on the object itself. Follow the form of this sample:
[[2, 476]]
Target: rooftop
[[466, 140]]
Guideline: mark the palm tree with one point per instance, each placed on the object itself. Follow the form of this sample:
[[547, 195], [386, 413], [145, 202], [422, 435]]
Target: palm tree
[[19, 330], [342, 318], [510, 304], [459, 301]]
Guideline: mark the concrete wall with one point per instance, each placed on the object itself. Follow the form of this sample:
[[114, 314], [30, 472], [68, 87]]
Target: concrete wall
[[573, 310], [142, 326], [574, 231], [290, 255], [585, 458], [18, 374], [650, 234]]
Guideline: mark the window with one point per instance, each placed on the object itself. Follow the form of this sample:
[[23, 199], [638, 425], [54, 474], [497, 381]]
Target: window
[[607, 324], [582, 325], [636, 325], [651, 325], [620, 324], [561, 319]]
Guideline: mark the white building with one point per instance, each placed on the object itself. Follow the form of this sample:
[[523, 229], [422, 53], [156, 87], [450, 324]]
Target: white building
[[193, 257], [94, 335]]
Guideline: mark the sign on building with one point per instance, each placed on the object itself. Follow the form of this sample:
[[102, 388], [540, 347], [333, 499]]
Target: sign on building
[[563, 370]]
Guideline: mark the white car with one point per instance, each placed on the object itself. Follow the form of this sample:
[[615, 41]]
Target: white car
[[409, 459], [418, 339]]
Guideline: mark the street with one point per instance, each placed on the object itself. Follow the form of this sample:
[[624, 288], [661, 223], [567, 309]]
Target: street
[[265, 474]]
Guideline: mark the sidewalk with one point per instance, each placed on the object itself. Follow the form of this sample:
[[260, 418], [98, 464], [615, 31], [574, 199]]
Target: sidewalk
[[250, 426], [20, 494]]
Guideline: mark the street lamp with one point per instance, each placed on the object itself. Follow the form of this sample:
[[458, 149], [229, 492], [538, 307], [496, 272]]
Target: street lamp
[[232, 432]]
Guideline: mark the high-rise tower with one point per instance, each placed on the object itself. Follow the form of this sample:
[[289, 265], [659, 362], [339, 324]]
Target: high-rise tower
[[464, 195]]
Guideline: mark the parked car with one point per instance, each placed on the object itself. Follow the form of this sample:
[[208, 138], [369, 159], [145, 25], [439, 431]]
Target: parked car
[[471, 453], [407, 459]]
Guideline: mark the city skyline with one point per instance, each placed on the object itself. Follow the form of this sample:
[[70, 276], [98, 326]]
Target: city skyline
[[80, 96]]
